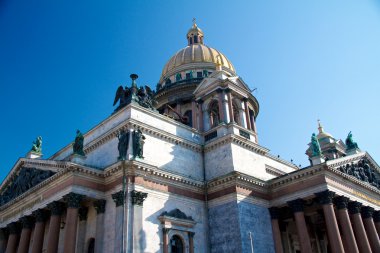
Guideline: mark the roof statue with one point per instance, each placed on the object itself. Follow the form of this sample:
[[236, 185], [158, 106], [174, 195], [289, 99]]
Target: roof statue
[[144, 95], [122, 146], [315, 147], [138, 144], [78, 144], [37, 145], [350, 142]]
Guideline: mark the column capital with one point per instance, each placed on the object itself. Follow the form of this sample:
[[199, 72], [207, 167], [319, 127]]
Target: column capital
[[274, 213], [56, 207], [73, 199], [14, 228], [367, 212], [354, 207], [100, 206], [325, 197], [191, 234], [27, 222], [341, 202], [138, 197], [40, 215], [165, 231], [82, 213], [376, 216], [118, 197], [296, 205]]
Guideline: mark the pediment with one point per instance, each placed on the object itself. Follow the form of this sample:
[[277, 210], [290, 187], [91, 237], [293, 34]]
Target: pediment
[[26, 174], [215, 81], [360, 166]]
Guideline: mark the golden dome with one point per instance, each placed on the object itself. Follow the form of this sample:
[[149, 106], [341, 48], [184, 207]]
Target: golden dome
[[196, 56], [322, 134]]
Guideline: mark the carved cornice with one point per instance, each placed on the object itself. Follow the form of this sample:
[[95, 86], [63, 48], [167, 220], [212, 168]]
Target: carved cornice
[[138, 197], [238, 140], [100, 206], [118, 197]]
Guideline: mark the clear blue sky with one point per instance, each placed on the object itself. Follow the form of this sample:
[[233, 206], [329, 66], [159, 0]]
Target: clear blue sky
[[61, 62]]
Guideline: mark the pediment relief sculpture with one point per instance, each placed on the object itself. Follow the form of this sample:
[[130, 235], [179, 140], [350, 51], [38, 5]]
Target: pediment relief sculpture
[[362, 171]]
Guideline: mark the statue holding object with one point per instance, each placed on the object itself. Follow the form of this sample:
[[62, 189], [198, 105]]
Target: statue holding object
[[37, 146], [315, 147], [122, 146], [78, 144], [350, 142], [138, 143]]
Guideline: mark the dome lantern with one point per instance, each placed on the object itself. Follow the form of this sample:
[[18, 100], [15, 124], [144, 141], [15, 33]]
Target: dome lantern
[[194, 35]]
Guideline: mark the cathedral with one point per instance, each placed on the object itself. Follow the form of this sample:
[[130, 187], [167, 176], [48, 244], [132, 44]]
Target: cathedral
[[180, 169]]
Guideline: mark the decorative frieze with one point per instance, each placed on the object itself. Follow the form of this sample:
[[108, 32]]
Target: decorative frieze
[[325, 197], [56, 208], [138, 197], [118, 197], [73, 199], [100, 206], [296, 205], [354, 207], [367, 212], [82, 213]]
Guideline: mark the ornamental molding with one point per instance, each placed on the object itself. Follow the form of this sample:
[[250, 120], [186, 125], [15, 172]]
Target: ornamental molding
[[152, 173], [235, 139]]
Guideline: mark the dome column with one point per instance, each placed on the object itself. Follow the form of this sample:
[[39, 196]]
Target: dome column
[[230, 108], [246, 110], [222, 106], [200, 113], [194, 114]]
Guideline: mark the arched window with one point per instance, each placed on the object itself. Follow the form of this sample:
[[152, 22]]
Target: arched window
[[235, 111], [176, 244], [188, 115], [214, 114], [195, 39]]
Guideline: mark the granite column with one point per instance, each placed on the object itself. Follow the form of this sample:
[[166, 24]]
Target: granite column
[[56, 209], [27, 225], [325, 199], [274, 214], [14, 231], [119, 199], [348, 236], [100, 207], [376, 220], [73, 203], [82, 226], [370, 228], [39, 230], [3, 239], [299, 216], [357, 224]]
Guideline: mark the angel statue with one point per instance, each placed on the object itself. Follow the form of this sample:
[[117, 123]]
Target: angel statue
[[146, 97], [37, 145], [315, 147], [122, 94]]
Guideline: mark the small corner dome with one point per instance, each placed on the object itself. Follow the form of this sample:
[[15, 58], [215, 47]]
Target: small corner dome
[[196, 56]]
